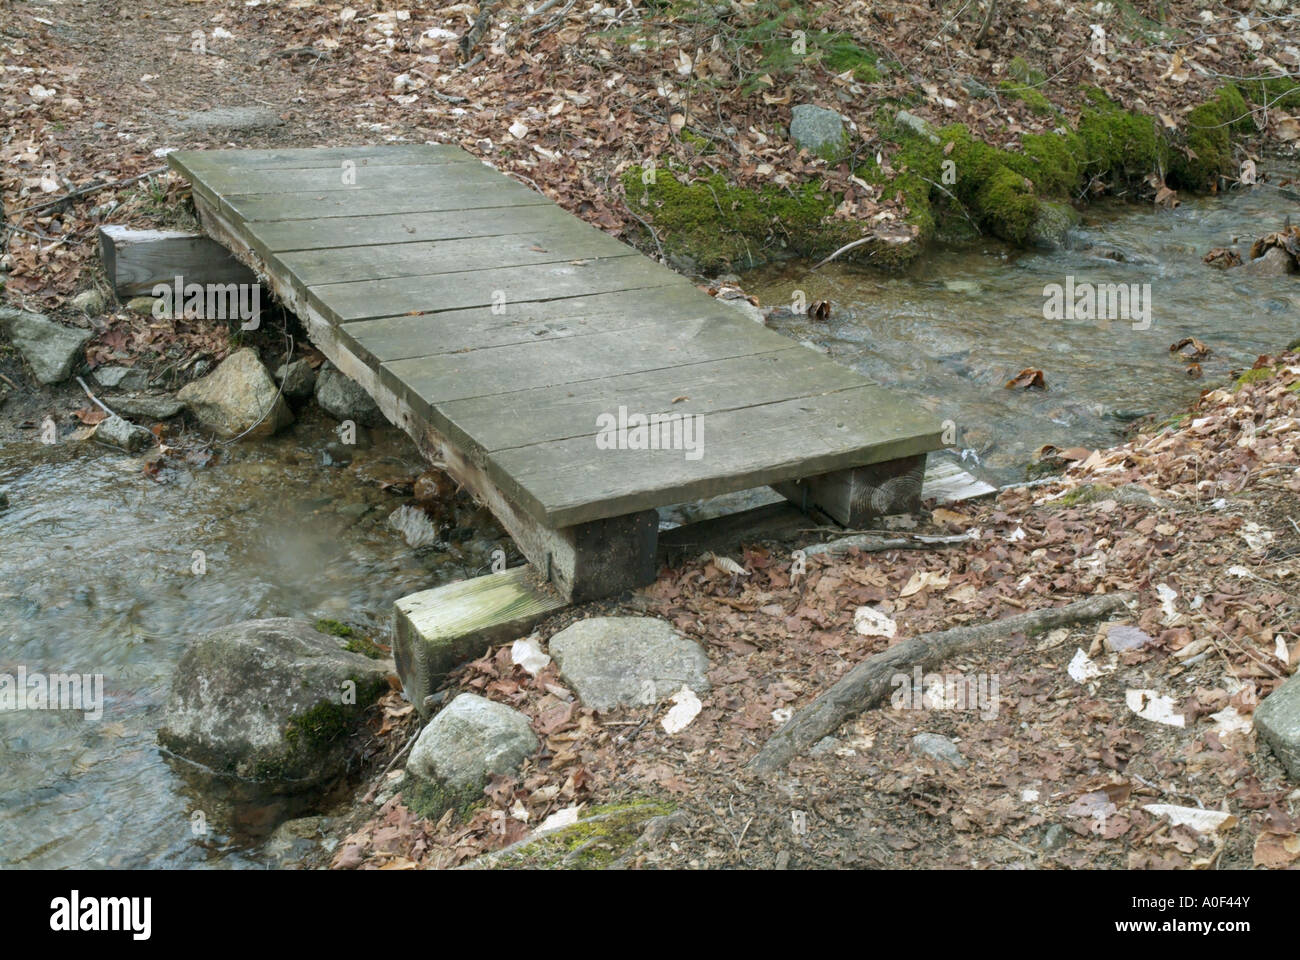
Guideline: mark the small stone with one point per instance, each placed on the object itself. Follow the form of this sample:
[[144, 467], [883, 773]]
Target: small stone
[[90, 302], [976, 89], [823, 747], [1051, 227], [1054, 837], [469, 741], [344, 399], [4, 500], [296, 379], [146, 408], [917, 125], [122, 433], [50, 349], [122, 378], [819, 131], [628, 661], [1277, 718], [937, 747], [143, 306], [1275, 262]]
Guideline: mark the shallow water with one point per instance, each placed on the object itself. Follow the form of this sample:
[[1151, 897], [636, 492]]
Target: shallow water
[[96, 577], [956, 327]]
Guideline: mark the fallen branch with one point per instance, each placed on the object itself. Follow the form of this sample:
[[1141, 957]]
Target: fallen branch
[[874, 544], [844, 249], [869, 682]]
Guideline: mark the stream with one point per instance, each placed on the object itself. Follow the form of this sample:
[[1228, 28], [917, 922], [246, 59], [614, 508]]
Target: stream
[[97, 558]]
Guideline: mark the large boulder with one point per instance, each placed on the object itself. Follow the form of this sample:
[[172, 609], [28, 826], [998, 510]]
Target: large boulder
[[237, 395], [1277, 719], [819, 131], [50, 349], [343, 399], [468, 742], [269, 701], [628, 661]]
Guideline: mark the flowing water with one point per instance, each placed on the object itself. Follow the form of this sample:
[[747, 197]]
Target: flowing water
[[954, 329], [97, 558], [97, 576]]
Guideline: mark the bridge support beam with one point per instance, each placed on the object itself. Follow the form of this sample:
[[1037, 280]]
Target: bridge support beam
[[856, 496]]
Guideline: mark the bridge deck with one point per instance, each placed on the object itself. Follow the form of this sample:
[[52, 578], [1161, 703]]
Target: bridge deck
[[486, 319]]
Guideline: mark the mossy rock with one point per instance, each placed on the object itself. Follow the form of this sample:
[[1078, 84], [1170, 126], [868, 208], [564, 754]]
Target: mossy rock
[[354, 640], [1117, 143], [1031, 96], [1208, 148], [602, 835]]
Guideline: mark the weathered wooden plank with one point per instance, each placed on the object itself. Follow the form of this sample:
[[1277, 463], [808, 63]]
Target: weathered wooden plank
[[366, 299], [437, 630], [857, 495], [573, 481], [313, 267], [350, 203], [541, 363], [135, 260], [241, 181], [946, 482], [525, 417], [203, 162], [319, 234], [453, 331]]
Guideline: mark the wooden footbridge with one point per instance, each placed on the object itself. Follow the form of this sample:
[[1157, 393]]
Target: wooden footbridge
[[519, 347]]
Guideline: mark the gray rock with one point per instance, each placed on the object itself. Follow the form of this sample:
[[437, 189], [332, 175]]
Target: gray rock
[[50, 349], [237, 395], [824, 747], [917, 125], [122, 378], [147, 408], [271, 701], [142, 306], [819, 131], [123, 433], [469, 741], [938, 748], [230, 118], [296, 379], [1277, 719], [343, 399], [1275, 262], [627, 661], [4, 500], [1054, 837], [976, 89], [90, 302], [1052, 226]]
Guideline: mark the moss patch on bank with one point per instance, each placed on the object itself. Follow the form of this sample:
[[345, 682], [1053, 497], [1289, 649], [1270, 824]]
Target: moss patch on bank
[[719, 225], [1015, 195], [601, 836]]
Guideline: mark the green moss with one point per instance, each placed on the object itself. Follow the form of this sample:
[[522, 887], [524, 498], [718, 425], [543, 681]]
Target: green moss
[[319, 728], [1031, 96], [1208, 148], [1117, 143], [1085, 493], [356, 641], [1281, 93], [1018, 68], [600, 837], [719, 224], [430, 800], [1253, 376]]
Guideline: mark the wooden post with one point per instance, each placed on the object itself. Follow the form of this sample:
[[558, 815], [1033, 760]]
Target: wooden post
[[855, 496], [135, 260]]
